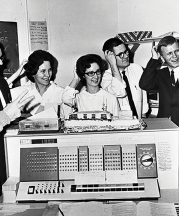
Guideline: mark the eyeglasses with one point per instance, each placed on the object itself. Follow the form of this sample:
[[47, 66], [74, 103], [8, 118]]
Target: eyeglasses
[[121, 55], [92, 73]]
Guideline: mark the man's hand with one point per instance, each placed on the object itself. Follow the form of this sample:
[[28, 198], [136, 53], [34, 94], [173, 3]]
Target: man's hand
[[155, 54], [13, 109], [110, 58]]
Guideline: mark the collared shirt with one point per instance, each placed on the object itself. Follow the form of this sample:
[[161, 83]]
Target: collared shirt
[[116, 87], [51, 97], [176, 73], [102, 100], [2, 99], [175, 70]]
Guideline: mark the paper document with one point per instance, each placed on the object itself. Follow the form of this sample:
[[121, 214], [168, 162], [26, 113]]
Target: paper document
[[49, 113], [128, 208]]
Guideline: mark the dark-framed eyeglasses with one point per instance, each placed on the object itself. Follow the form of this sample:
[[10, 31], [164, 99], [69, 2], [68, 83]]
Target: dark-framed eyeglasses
[[92, 73], [121, 55]]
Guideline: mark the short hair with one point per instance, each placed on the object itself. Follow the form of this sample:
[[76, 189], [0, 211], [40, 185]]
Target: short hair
[[111, 43], [165, 41], [36, 59], [84, 62]]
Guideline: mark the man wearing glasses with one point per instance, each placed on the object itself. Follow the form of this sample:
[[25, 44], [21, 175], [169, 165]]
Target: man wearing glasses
[[122, 78]]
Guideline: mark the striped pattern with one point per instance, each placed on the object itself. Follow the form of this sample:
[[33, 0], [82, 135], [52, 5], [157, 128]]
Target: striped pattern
[[134, 36], [177, 208]]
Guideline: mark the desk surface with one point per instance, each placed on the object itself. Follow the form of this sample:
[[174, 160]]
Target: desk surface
[[153, 124], [26, 209], [40, 209]]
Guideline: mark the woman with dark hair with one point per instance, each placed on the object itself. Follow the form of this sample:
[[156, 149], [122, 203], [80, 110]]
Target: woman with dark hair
[[90, 69], [39, 70]]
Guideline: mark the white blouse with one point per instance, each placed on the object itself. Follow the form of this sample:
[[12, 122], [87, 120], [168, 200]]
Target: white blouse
[[51, 97], [102, 100]]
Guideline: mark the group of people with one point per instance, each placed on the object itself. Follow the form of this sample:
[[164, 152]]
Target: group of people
[[111, 85]]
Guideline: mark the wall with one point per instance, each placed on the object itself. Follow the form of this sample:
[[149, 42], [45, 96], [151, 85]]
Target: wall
[[77, 27], [158, 16], [15, 11]]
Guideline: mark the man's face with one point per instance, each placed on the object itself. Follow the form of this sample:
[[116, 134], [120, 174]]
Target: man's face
[[170, 55], [122, 56]]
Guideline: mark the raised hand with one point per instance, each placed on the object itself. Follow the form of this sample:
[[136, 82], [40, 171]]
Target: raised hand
[[75, 74], [20, 69], [13, 109], [155, 54], [75, 79], [110, 58], [14, 76]]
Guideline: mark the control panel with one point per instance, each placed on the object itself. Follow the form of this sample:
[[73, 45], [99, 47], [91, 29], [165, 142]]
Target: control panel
[[51, 163], [90, 166], [51, 172]]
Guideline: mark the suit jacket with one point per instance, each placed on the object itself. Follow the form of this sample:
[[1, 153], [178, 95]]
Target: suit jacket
[[155, 78], [7, 97]]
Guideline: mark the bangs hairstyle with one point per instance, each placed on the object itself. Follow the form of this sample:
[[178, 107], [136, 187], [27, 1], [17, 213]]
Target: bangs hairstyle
[[84, 62], [165, 41], [36, 59]]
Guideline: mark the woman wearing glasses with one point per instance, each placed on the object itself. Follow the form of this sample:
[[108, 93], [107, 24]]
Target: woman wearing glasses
[[90, 69]]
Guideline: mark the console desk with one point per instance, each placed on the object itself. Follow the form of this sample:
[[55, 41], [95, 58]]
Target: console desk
[[162, 132]]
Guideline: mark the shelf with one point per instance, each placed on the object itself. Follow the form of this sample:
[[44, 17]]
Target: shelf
[[147, 40]]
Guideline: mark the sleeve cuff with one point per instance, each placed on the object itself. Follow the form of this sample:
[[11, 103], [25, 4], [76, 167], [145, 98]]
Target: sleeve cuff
[[4, 119]]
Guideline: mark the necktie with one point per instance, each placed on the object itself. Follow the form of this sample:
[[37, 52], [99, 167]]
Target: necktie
[[1, 107], [129, 94], [173, 79]]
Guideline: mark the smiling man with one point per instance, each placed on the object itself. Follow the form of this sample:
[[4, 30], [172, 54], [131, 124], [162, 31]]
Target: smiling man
[[122, 78], [164, 78]]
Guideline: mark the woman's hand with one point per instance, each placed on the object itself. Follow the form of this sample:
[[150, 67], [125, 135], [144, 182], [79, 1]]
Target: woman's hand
[[75, 74], [21, 67], [75, 79], [13, 109], [19, 72]]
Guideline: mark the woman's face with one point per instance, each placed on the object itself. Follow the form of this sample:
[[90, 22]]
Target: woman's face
[[93, 75], [44, 74]]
